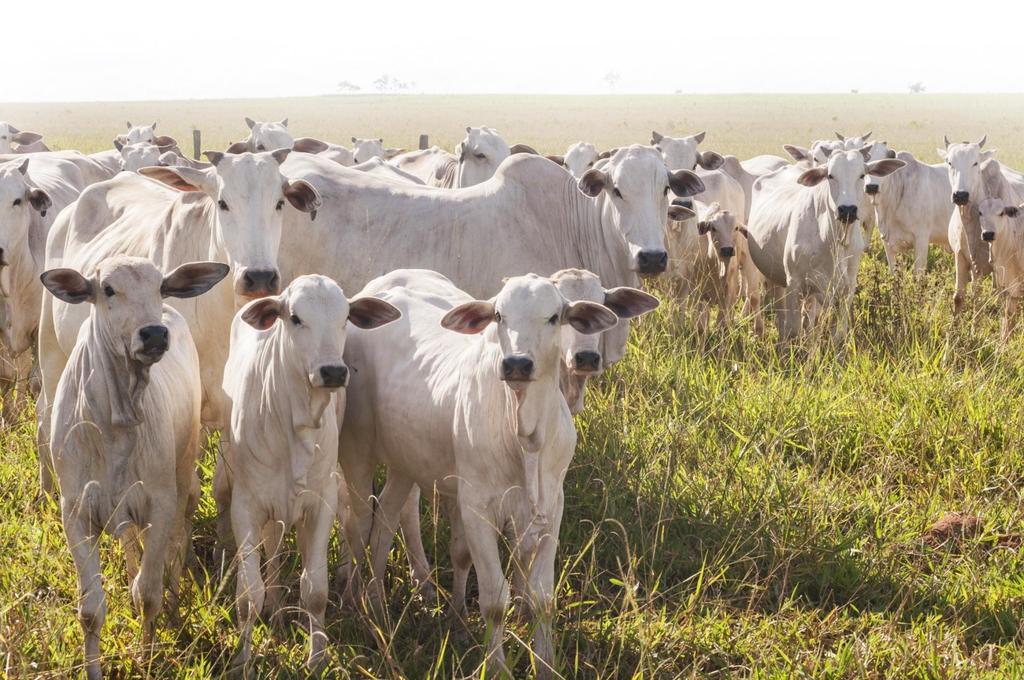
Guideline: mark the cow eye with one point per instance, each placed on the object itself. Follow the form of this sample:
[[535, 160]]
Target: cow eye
[[831, 177], [666, 191], [975, 164], [296, 321], [553, 320], [280, 204], [108, 291], [480, 156], [616, 192], [497, 317], [862, 176], [223, 205], [17, 201], [260, 147]]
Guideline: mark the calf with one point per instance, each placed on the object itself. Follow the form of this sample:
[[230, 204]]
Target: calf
[[367, 149], [278, 471], [803, 238], [125, 426], [1002, 227], [579, 158], [479, 416]]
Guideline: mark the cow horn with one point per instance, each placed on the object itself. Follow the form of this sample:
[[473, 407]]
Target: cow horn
[[981, 142]]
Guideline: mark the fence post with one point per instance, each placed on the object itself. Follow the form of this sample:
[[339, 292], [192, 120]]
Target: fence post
[[197, 143], [424, 142]]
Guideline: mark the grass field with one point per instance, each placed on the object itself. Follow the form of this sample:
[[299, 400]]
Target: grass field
[[729, 512]]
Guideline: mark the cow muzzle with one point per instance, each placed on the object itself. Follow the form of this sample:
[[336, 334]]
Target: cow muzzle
[[257, 283], [871, 189], [517, 368], [154, 343], [727, 251], [988, 236], [587, 361], [331, 376], [847, 214], [961, 197], [651, 262]]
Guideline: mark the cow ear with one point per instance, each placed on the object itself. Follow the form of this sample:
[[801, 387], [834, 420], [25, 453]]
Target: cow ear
[[593, 182], [629, 302], [656, 137], [280, 155], [884, 167], [588, 317], [40, 200], [261, 314], [302, 195], [371, 312], [680, 213], [380, 139], [986, 155], [238, 147], [813, 177], [560, 160], [840, 137], [1011, 211], [192, 279], [165, 141], [26, 137], [215, 157], [866, 136], [703, 227], [865, 152], [284, 122], [118, 143], [709, 160], [685, 183], [309, 145], [699, 137], [68, 285], [891, 153], [353, 140], [522, 148], [129, 125], [798, 153], [182, 178], [469, 318], [250, 122], [23, 167]]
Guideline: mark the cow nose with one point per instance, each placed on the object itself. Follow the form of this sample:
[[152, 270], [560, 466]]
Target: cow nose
[[516, 368], [154, 339], [871, 189], [726, 251], [651, 261], [847, 213], [683, 202], [259, 282], [587, 361], [334, 375], [961, 197], [988, 236]]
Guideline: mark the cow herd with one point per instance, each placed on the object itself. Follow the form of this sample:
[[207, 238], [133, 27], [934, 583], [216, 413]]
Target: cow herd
[[145, 296]]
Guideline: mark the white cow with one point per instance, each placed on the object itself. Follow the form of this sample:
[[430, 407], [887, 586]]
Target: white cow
[[113, 160], [480, 154], [266, 136], [913, 209], [682, 152], [367, 149], [506, 442], [13, 140], [803, 237], [230, 212], [578, 158], [279, 470], [139, 155], [126, 430], [434, 167], [1002, 227], [746, 173], [530, 215], [334, 152]]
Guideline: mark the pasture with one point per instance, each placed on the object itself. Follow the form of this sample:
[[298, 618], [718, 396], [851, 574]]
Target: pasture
[[729, 512]]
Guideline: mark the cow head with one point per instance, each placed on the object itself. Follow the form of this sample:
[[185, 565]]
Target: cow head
[[367, 149], [264, 137], [126, 294], [20, 203], [139, 155], [11, 135], [875, 151], [682, 152], [480, 154], [312, 314], [994, 216], [249, 194], [845, 173], [525, 320], [963, 161], [632, 190], [581, 352], [719, 226], [580, 157]]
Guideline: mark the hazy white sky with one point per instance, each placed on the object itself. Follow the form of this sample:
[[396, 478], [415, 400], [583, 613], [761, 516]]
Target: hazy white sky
[[117, 50]]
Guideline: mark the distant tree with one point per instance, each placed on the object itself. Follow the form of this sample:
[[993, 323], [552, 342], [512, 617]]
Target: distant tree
[[916, 88], [387, 84], [382, 83], [854, 91], [348, 86], [612, 78]]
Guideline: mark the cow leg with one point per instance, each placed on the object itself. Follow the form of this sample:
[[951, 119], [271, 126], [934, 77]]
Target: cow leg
[[701, 320], [462, 562], [51, 365], [273, 538], [222, 497], [357, 519], [148, 586], [385, 525], [482, 540], [542, 593], [250, 590], [131, 545], [963, 275], [419, 565], [1010, 310], [92, 606], [187, 501], [787, 313], [314, 535], [920, 256]]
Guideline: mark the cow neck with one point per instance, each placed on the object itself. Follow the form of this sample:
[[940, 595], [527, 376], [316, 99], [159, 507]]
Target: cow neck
[[836, 234], [110, 378], [978, 250], [19, 284], [573, 386], [597, 243]]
